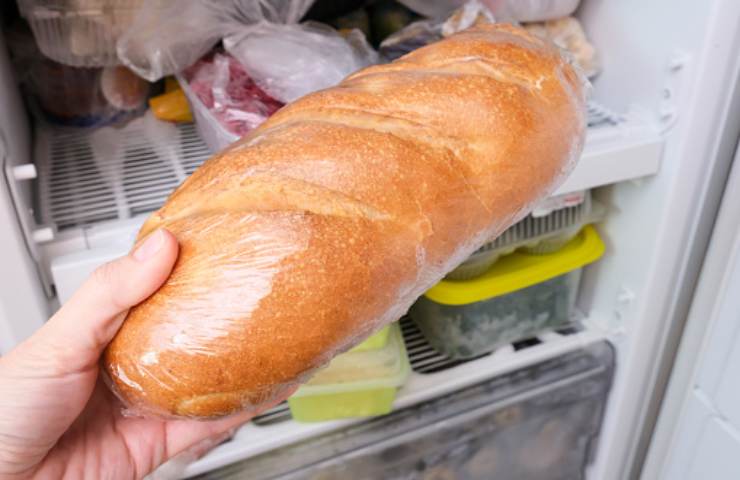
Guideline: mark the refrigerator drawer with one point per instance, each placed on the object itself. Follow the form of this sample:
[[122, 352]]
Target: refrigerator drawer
[[536, 423]]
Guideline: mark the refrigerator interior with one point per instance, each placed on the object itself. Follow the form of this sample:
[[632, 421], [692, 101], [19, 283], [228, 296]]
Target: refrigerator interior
[[657, 110]]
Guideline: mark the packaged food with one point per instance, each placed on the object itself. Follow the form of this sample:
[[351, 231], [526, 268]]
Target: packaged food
[[521, 296], [549, 227], [74, 96], [360, 383], [164, 41], [224, 100], [123, 89], [289, 61], [81, 33], [567, 33], [424, 32], [515, 10]]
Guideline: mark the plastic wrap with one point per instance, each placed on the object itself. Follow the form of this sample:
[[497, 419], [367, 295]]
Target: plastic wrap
[[568, 34], [74, 96], [424, 32], [518, 10], [289, 61], [82, 33], [163, 41], [225, 101], [329, 220]]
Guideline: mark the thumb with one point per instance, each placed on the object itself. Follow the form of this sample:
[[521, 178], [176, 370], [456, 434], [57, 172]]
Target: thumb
[[90, 319]]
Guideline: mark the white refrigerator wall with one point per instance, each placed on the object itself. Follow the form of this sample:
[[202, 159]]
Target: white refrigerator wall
[[680, 58], [23, 303]]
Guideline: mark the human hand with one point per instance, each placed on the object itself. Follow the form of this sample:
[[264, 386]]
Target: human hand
[[57, 420]]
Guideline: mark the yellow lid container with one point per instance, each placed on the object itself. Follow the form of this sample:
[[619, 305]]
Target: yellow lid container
[[520, 270]]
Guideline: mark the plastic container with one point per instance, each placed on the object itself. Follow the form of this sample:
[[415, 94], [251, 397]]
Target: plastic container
[[360, 383], [85, 97], [81, 33], [546, 230], [541, 422], [215, 135], [237, 104], [521, 296], [376, 341]]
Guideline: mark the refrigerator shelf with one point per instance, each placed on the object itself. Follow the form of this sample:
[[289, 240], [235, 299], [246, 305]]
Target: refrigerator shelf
[[274, 428], [88, 177], [96, 187], [425, 360]]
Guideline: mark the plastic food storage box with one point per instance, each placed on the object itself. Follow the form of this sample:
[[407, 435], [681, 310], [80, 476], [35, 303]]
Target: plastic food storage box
[[215, 135], [541, 232], [81, 33], [521, 296], [537, 423], [360, 383]]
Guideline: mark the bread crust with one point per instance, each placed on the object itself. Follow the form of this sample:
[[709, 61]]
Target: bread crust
[[327, 221]]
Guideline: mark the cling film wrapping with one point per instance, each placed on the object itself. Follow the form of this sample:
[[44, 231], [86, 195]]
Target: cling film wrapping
[[326, 222]]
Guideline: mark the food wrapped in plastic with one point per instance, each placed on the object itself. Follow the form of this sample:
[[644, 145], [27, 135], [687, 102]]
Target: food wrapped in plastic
[[289, 61], [516, 10], [326, 222], [568, 33], [424, 32], [222, 85], [164, 40]]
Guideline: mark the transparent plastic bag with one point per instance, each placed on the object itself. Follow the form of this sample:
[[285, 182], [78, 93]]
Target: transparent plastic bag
[[223, 86], [163, 41], [568, 34], [518, 10], [289, 61], [424, 32]]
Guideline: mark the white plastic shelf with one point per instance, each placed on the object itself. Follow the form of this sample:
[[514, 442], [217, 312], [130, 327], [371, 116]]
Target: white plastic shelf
[[446, 376], [91, 177]]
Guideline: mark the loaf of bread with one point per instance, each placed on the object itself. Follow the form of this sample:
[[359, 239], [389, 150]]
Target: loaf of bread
[[331, 218]]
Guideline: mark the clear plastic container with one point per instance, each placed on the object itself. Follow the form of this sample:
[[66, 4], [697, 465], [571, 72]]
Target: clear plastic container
[[538, 423], [521, 296], [215, 135], [541, 232], [360, 383], [81, 33], [376, 341], [85, 97]]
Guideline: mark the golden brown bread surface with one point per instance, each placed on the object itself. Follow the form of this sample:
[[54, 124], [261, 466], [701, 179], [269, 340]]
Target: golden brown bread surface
[[327, 221]]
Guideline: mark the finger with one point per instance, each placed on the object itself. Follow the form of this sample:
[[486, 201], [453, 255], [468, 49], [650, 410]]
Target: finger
[[90, 319]]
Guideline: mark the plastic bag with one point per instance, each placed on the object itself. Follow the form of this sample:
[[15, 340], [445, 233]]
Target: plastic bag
[[163, 41], [424, 32], [72, 96], [517, 10], [568, 34], [222, 85], [289, 61]]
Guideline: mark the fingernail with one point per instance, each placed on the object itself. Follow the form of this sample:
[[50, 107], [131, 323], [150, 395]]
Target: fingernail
[[150, 247]]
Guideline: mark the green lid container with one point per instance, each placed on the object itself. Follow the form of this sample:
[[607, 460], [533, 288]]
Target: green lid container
[[359, 383]]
